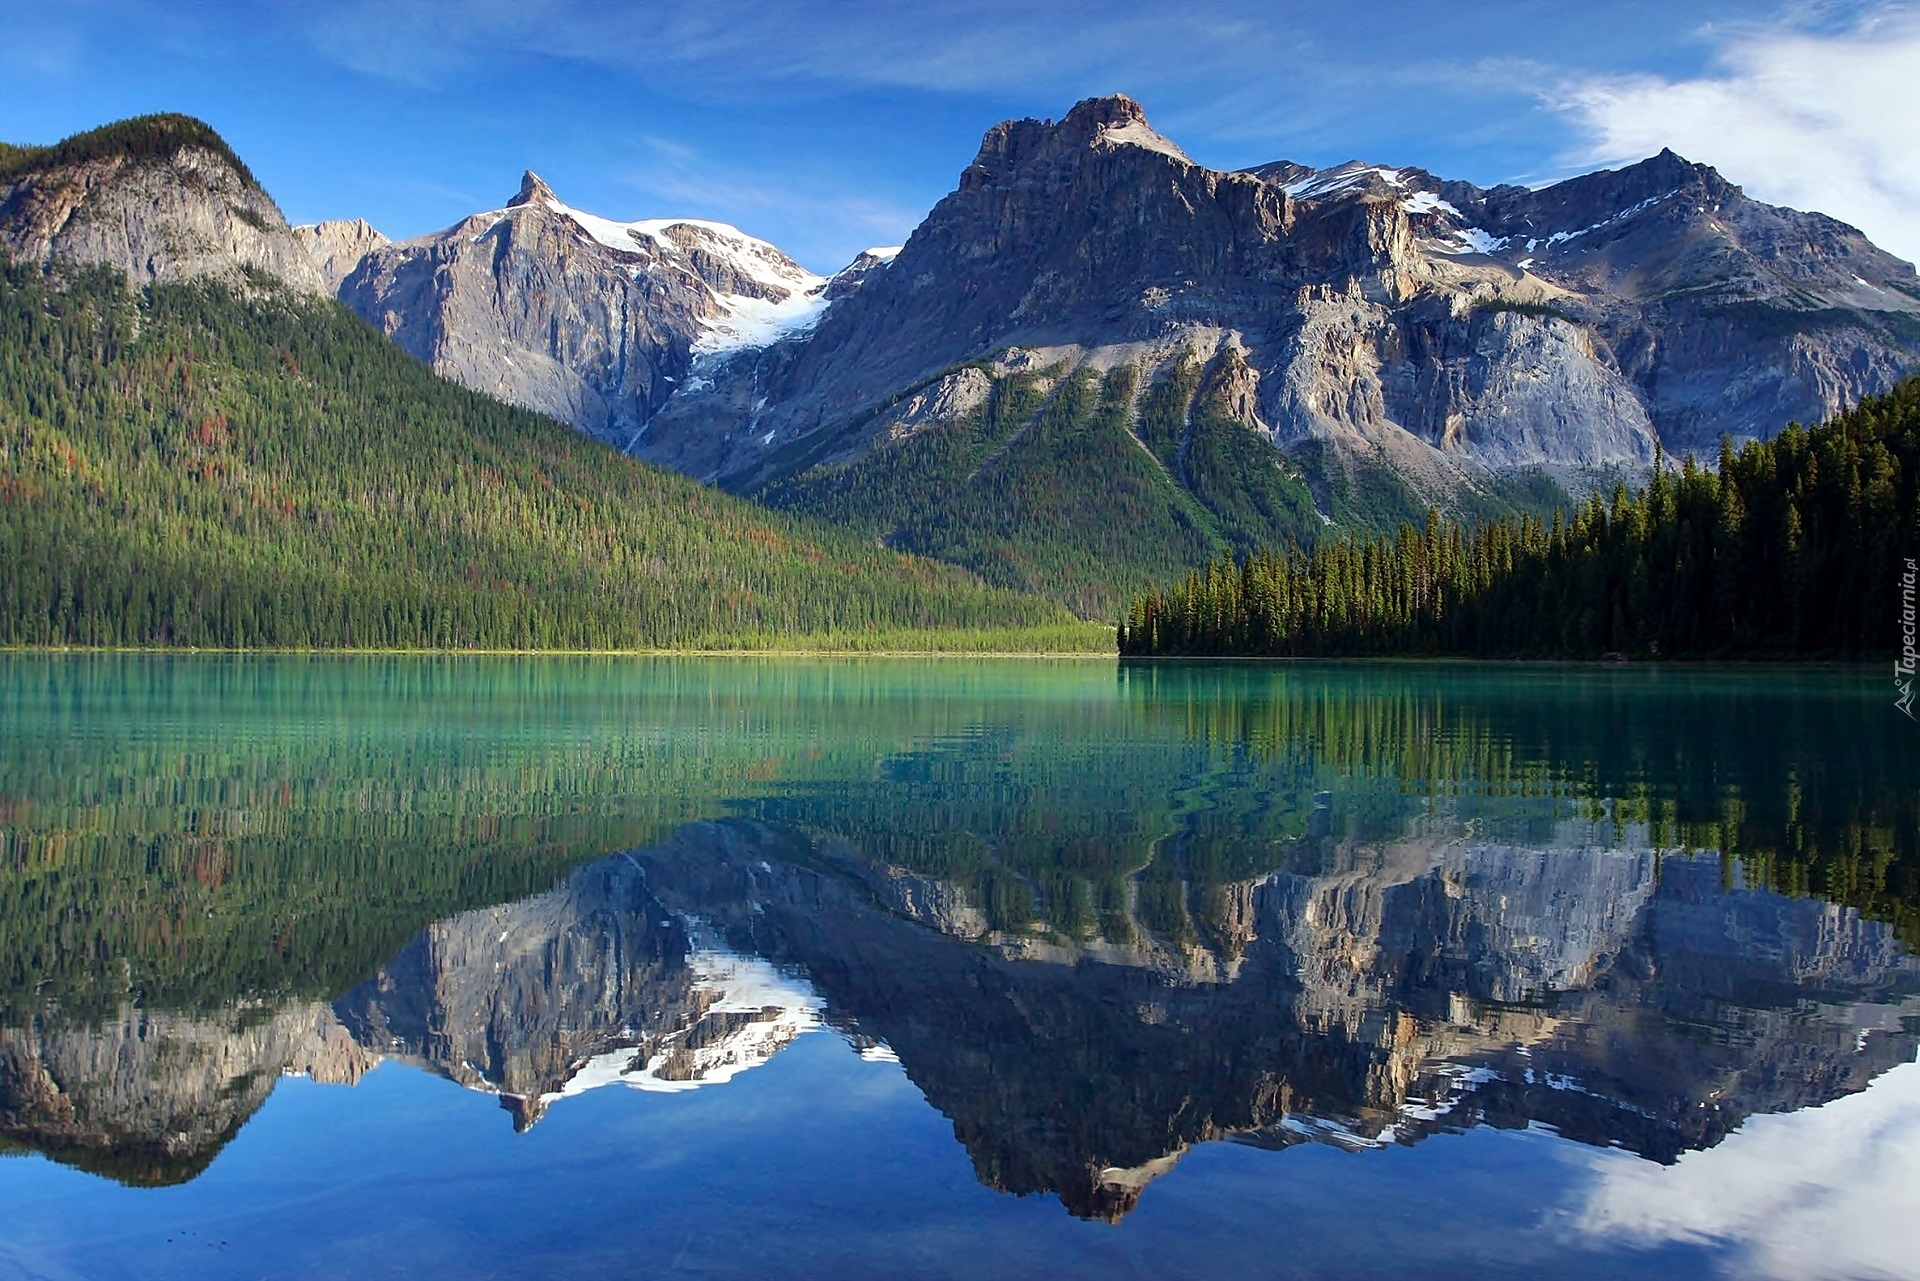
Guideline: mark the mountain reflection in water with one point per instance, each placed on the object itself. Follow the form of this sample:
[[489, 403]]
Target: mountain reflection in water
[[1356, 910], [1614, 996]]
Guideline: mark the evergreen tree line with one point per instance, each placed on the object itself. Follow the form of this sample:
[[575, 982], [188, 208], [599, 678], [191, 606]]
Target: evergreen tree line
[[1083, 486], [149, 139], [188, 468], [1791, 547]]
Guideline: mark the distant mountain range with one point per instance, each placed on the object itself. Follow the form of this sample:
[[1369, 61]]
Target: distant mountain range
[[1283, 349], [1095, 363]]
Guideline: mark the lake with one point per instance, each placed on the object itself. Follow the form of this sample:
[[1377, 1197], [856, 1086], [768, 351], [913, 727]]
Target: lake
[[789, 967]]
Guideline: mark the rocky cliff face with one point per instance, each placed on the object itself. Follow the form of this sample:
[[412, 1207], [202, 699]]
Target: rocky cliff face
[[595, 322], [337, 247], [1431, 326], [161, 198], [151, 1097]]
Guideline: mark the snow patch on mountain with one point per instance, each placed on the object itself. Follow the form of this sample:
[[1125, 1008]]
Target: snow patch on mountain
[[771, 1010], [1327, 182], [746, 320], [1427, 202], [1559, 238], [759, 322], [1477, 240]]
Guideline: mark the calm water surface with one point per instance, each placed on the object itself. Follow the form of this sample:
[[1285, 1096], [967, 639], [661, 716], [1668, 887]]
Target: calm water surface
[[518, 967]]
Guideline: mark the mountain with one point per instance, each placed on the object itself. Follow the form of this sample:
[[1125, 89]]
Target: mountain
[[1383, 313], [162, 198], [591, 321], [337, 247], [223, 456], [1244, 359]]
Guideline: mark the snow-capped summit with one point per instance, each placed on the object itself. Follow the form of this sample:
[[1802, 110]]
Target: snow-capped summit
[[593, 320], [760, 295]]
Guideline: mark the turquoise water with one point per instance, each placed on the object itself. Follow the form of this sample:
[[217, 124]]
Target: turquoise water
[[533, 967]]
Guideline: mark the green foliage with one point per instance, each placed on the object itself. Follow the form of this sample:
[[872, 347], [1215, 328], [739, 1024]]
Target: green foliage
[[142, 138], [1058, 485], [1360, 497], [1042, 493], [1246, 487], [1743, 763], [902, 477], [1793, 548], [191, 469]]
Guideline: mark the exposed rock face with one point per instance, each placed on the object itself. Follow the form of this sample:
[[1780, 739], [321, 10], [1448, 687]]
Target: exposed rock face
[[1432, 326], [593, 983], [337, 247], [187, 213], [151, 1097], [591, 321]]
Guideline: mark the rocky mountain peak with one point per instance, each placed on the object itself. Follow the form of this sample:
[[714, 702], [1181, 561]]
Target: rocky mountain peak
[[161, 197], [532, 187], [1091, 115], [1111, 121], [1613, 193], [337, 246]]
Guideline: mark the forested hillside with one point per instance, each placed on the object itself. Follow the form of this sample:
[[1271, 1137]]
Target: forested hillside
[[1086, 487], [1793, 547], [185, 467]]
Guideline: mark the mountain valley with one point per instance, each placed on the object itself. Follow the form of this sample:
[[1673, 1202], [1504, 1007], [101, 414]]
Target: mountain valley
[[1096, 366]]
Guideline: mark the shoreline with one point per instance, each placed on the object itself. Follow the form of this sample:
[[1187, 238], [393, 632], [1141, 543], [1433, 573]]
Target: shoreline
[[207, 651], [1841, 664]]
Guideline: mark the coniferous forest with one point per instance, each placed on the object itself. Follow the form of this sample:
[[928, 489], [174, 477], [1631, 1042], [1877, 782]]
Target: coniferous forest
[[189, 467], [1791, 547]]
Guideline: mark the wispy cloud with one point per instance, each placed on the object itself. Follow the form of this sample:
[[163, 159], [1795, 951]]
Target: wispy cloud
[[747, 46], [1805, 102], [1248, 75], [35, 50], [1800, 115]]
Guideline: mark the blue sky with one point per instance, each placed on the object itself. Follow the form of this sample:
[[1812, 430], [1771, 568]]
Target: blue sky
[[826, 127]]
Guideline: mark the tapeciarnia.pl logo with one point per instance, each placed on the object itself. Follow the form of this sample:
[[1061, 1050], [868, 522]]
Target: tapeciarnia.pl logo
[[1904, 665]]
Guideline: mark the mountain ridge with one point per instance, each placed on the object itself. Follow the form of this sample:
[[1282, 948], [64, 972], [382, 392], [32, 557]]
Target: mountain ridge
[[1204, 362], [1043, 201]]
